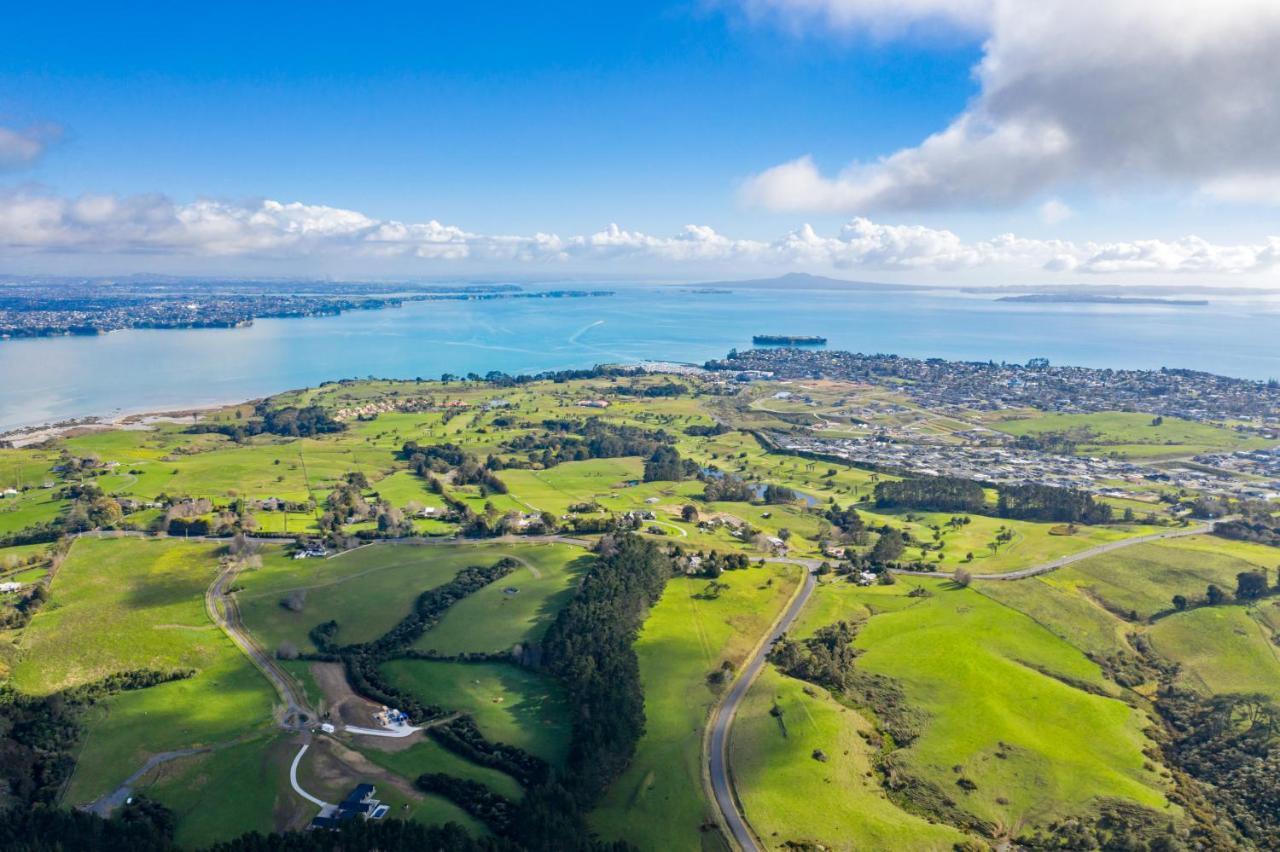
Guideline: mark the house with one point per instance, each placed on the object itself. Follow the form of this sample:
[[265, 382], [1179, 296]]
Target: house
[[9, 492], [359, 803], [9, 587], [592, 403]]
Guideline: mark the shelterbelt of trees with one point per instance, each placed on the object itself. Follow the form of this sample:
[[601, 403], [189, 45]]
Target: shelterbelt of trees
[[1028, 502]]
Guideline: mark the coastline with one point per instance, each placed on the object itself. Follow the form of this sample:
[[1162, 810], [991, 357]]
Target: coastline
[[26, 436]]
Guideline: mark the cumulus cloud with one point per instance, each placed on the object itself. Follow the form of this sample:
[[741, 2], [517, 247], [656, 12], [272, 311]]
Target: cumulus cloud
[[1133, 92], [33, 223], [21, 148]]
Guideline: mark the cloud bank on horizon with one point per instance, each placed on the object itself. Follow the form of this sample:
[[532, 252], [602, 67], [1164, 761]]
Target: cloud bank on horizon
[[1108, 93], [36, 223]]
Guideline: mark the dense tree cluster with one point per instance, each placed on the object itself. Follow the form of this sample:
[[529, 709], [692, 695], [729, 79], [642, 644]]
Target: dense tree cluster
[[715, 563], [931, 494], [588, 647], [1031, 502], [665, 465], [1063, 443], [475, 798], [290, 421], [1230, 744], [778, 495], [462, 737], [847, 520], [728, 489], [566, 440], [1254, 530], [826, 658], [698, 430]]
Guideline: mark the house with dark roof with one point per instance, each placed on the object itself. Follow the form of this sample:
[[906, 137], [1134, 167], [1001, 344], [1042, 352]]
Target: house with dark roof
[[359, 803]]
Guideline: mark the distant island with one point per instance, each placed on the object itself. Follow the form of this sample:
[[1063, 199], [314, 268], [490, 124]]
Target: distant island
[[787, 340], [1094, 299], [60, 308]]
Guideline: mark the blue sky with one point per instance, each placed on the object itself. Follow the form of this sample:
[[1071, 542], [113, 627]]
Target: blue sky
[[524, 118], [561, 118]]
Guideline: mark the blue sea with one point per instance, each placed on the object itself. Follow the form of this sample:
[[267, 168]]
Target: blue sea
[[50, 379]]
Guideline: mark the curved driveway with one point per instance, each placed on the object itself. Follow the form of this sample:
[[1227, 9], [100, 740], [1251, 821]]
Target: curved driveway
[[296, 712]]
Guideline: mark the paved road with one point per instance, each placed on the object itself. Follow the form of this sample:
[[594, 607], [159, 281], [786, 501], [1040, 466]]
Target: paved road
[[1062, 562], [717, 756]]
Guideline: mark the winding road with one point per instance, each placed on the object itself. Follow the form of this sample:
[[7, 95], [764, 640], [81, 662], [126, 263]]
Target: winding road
[[716, 744], [1064, 561], [716, 755]]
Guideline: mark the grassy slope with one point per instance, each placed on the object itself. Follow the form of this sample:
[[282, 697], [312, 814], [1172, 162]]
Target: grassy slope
[[127, 604], [428, 756], [493, 620], [971, 666], [220, 795], [658, 803], [510, 704], [1220, 649], [366, 590], [1145, 577], [1134, 435], [791, 796]]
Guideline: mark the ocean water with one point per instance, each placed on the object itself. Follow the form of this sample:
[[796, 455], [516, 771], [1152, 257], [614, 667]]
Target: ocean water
[[49, 379]]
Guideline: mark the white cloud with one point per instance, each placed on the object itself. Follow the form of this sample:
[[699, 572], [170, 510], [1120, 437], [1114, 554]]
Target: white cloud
[[34, 225], [1133, 92], [882, 18], [1054, 211], [21, 148]]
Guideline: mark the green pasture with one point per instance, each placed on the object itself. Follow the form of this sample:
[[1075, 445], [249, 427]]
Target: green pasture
[[836, 803], [510, 704], [124, 604], [659, 802], [430, 756], [1133, 434], [1145, 577], [367, 590], [996, 695], [219, 795], [1220, 649], [516, 609]]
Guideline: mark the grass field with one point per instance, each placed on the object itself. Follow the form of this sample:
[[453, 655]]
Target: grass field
[[1220, 649], [367, 591], [993, 688], [1032, 543], [790, 796], [496, 618], [658, 803], [219, 795], [1134, 435], [1145, 577], [429, 756], [510, 704], [122, 604]]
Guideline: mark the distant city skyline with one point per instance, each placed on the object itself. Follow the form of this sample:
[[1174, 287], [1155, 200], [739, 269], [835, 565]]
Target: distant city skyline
[[970, 142]]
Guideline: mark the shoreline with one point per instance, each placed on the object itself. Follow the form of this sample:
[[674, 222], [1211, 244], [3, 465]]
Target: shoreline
[[26, 436]]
